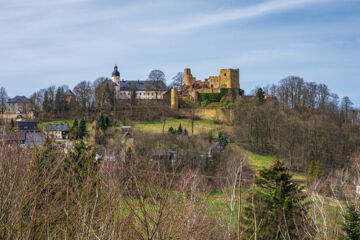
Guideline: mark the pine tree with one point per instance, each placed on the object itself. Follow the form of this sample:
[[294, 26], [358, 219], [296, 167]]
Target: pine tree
[[260, 94], [171, 130], [319, 168], [82, 129], [100, 123], [310, 173], [277, 206], [351, 224], [180, 130], [46, 102]]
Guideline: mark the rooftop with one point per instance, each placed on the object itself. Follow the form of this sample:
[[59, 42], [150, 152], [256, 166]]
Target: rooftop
[[27, 126], [16, 99], [56, 127]]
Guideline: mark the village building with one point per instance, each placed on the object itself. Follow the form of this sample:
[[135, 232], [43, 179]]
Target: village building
[[27, 134], [27, 126], [18, 104], [70, 96], [58, 131], [142, 89]]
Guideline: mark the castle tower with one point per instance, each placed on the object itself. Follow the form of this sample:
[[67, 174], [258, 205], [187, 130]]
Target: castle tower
[[188, 78], [174, 99], [116, 78], [229, 78], [115, 75]]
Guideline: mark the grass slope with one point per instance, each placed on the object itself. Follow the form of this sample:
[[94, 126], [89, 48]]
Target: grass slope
[[200, 126]]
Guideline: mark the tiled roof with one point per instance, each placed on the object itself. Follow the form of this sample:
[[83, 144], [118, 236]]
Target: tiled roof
[[34, 138], [140, 85], [69, 93], [16, 99], [16, 136], [56, 127], [27, 126]]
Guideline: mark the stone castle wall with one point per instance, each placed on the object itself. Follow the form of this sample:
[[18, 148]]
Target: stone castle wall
[[219, 115]]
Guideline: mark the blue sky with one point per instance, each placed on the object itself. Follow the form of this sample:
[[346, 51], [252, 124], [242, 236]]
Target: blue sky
[[61, 42]]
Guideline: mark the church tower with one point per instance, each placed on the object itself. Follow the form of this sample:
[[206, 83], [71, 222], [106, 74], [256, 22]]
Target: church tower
[[116, 78]]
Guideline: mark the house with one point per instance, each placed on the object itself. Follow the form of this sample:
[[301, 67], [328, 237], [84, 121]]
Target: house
[[70, 96], [27, 126], [59, 131], [18, 104], [126, 129], [27, 134], [34, 139]]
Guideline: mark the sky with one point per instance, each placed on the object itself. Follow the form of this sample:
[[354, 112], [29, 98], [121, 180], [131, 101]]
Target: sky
[[63, 42]]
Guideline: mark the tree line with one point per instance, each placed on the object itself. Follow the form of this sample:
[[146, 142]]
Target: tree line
[[300, 122]]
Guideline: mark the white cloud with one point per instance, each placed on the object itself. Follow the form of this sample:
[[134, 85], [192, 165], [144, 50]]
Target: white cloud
[[208, 19]]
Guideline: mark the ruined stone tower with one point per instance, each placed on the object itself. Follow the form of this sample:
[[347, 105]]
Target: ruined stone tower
[[174, 99], [188, 77]]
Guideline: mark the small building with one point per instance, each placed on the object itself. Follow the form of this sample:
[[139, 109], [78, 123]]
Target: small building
[[58, 131], [70, 96], [126, 129], [18, 104], [27, 126], [34, 139]]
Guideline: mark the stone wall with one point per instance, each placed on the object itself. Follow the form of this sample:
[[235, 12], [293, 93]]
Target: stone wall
[[6, 117], [219, 115]]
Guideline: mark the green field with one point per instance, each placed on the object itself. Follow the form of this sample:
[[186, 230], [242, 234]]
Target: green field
[[259, 162], [200, 126]]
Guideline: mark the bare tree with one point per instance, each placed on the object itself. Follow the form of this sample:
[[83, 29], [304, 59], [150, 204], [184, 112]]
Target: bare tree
[[157, 75], [84, 94], [178, 81], [3, 99]]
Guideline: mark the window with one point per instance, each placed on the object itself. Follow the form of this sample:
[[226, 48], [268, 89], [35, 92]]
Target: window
[[225, 74]]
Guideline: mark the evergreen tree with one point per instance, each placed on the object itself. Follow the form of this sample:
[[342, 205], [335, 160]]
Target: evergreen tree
[[100, 123], [58, 106], [180, 130], [46, 103], [12, 124], [171, 130], [319, 168], [260, 94], [107, 121], [222, 140], [82, 129], [311, 170], [75, 124], [351, 224], [276, 208]]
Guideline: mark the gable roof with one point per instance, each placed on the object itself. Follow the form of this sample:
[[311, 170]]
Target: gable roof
[[16, 136], [34, 138], [27, 126], [141, 85], [56, 127], [69, 93], [16, 99]]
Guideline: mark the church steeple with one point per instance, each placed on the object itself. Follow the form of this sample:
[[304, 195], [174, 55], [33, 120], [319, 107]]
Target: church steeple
[[115, 73]]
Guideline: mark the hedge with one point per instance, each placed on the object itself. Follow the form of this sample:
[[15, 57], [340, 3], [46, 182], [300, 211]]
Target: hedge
[[212, 97]]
